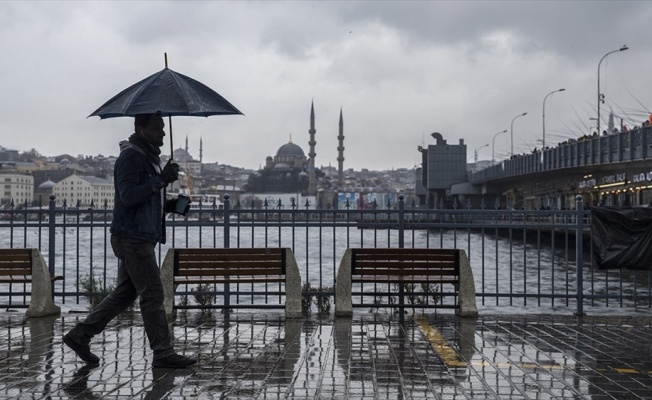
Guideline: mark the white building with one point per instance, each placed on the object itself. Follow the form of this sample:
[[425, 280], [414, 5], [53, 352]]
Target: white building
[[18, 187], [85, 189]]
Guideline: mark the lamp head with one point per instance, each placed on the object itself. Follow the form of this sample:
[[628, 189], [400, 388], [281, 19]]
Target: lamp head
[[624, 48]]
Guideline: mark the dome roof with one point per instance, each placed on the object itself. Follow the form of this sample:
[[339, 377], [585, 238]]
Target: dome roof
[[181, 155], [290, 150], [46, 185]]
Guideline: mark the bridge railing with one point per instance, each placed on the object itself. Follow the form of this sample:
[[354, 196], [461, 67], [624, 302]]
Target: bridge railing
[[633, 145], [536, 260]]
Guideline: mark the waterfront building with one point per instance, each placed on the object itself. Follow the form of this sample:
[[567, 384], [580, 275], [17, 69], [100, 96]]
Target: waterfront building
[[84, 189], [443, 165], [18, 187]]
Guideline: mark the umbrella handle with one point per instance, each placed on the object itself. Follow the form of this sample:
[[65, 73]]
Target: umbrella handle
[[171, 145]]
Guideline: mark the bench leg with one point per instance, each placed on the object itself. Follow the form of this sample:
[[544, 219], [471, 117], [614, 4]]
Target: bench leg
[[292, 286], [466, 291], [167, 278], [343, 301], [41, 304]]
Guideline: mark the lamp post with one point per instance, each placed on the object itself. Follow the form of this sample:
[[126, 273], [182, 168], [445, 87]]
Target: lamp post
[[493, 146], [512, 131], [475, 155], [543, 146], [600, 96]]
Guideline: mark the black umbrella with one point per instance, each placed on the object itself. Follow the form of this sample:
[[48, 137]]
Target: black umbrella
[[169, 93]]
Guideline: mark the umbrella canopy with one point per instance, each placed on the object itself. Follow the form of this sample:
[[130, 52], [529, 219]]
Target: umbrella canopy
[[169, 93]]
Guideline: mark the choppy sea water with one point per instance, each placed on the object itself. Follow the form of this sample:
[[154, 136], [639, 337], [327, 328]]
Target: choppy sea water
[[510, 275]]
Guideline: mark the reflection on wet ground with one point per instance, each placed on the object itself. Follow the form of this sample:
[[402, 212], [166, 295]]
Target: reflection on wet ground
[[371, 356]]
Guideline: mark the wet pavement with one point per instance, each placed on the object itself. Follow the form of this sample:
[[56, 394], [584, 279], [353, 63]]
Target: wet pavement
[[371, 356]]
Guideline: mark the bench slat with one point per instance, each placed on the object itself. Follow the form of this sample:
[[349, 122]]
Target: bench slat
[[406, 257], [18, 270], [229, 257], [227, 265], [232, 250], [404, 273], [404, 264], [229, 279], [227, 272], [404, 279], [16, 279]]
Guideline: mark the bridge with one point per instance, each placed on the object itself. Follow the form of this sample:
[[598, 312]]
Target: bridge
[[609, 170]]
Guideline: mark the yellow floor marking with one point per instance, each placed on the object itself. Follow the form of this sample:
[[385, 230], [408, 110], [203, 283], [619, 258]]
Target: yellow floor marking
[[452, 359], [440, 345]]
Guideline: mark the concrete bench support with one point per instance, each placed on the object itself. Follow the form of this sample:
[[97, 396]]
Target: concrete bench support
[[465, 288], [292, 278], [41, 304]]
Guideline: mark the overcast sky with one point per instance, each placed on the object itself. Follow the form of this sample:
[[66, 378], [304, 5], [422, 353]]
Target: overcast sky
[[398, 70]]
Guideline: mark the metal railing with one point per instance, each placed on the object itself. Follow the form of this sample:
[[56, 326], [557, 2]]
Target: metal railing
[[626, 147], [531, 259]]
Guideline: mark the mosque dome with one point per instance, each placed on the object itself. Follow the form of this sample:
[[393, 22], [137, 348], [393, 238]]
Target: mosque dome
[[47, 185], [180, 156], [290, 150]]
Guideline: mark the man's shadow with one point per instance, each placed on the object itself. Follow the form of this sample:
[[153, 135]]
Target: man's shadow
[[165, 381], [77, 386]]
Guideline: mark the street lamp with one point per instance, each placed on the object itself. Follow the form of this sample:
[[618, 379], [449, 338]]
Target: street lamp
[[512, 131], [544, 116], [600, 96], [475, 160], [493, 145]]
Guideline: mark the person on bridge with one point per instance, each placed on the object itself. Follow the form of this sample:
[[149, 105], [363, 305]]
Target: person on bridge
[[138, 225]]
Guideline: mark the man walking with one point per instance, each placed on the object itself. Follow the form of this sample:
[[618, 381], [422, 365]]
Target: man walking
[[138, 225]]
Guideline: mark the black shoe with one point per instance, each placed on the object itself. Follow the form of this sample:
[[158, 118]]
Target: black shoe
[[173, 361], [82, 350]]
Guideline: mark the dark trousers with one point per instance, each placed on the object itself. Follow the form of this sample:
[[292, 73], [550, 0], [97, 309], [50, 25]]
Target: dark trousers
[[138, 275]]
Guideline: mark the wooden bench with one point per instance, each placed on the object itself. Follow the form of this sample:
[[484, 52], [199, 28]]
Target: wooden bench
[[405, 266], [27, 266], [232, 266]]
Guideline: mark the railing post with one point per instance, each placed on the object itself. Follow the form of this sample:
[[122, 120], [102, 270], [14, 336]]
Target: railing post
[[579, 257], [401, 244], [401, 220], [51, 238], [227, 244], [227, 221]]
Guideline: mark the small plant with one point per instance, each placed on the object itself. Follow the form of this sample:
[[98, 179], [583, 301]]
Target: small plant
[[321, 300], [203, 299], [306, 298], [94, 289]]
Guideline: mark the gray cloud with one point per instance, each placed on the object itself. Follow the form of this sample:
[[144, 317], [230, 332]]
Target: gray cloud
[[398, 70]]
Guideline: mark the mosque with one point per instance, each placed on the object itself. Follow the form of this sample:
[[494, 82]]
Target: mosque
[[291, 171]]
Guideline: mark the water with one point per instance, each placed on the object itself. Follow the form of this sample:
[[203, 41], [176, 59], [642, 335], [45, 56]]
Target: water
[[523, 276]]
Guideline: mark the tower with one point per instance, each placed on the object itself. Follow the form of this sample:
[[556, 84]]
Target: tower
[[312, 185], [201, 149], [340, 153]]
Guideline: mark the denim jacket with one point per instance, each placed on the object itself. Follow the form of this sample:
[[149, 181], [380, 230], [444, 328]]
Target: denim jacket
[[139, 193]]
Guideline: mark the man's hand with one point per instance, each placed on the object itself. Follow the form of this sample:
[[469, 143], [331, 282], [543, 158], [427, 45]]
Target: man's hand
[[170, 172]]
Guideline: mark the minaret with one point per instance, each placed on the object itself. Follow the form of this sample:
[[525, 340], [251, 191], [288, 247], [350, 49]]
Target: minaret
[[312, 184], [340, 152], [186, 143], [201, 150]]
